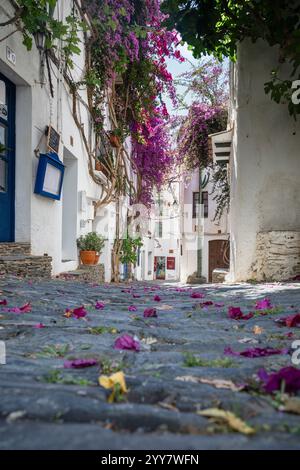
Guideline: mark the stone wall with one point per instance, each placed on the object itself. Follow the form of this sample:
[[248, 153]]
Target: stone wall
[[7, 249], [277, 255], [26, 266]]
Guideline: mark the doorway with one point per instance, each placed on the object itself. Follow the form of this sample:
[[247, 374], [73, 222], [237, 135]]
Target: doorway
[[7, 159], [69, 208], [217, 252], [160, 267]]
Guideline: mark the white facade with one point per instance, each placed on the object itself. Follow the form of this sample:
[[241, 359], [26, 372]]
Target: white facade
[[197, 236], [265, 173], [52, 226], [162, 244]]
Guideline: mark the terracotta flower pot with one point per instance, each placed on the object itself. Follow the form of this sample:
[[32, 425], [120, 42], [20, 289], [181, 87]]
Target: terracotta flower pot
[[114, 140], [88, 257], [97, 256]]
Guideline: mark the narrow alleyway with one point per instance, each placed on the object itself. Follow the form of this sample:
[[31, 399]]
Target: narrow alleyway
[[44, 405]]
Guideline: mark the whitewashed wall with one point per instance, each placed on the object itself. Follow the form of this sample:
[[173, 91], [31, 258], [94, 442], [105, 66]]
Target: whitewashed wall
[[41, 221], [265, 168], [210, 229]]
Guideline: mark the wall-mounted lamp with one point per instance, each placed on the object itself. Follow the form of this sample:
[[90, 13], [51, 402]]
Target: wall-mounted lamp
[[40, 39]]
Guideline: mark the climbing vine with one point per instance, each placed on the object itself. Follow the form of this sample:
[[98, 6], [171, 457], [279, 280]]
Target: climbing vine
[[126, 77], [207, 83]]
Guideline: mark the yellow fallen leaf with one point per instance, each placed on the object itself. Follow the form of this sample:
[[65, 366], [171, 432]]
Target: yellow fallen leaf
[[230, 418], [109, 381], [258, 330], [218, 383], [291, 405], [68, 314]]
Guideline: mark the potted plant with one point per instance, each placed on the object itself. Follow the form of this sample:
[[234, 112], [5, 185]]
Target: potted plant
[[90, 246]]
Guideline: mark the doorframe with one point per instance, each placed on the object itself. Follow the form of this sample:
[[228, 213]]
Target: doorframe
[[11, 143]]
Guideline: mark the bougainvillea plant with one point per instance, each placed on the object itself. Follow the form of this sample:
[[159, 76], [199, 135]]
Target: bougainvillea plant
[[207, 83]]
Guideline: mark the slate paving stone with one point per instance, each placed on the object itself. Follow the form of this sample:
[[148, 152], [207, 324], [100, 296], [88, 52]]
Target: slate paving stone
[[40, 409]]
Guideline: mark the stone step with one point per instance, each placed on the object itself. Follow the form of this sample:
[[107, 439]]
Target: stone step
[[24, 265], [84, 273], [7, 249]]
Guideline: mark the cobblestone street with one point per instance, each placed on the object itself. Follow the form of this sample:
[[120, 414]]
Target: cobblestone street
[[45, 405]]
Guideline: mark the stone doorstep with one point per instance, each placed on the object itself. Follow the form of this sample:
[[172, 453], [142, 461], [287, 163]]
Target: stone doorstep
[[219, 275]]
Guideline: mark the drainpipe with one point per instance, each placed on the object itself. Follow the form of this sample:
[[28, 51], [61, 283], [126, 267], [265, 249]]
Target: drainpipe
[[199, 241]]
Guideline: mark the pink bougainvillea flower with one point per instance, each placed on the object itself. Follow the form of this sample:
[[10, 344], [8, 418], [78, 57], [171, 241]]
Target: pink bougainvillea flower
[[79, 312], [289, 377], [150, 312], [24, 309], [290, 321], [235, 313], [181, 289], [127, 342], [80, 363], [99, 306], [197, 295], [3, 302], [289, 335], [263, 304], [157, 298], [39, 325], [208, 303], [255, 352], [132, 308]]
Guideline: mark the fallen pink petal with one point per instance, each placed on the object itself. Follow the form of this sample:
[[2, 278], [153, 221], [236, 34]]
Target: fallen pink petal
[[197, 295], [255, 352], [39, 326], [235, 313], [79, 312], [99, 306], [80, 363], [3, 302], [287, 377], [24, 309], [127, 342], [150, 312], [208, 303], [290, 321], [132, 308], [263, 304], [157, 298]]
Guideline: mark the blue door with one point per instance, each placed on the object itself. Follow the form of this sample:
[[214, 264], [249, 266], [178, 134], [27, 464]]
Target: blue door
[[7, 159]]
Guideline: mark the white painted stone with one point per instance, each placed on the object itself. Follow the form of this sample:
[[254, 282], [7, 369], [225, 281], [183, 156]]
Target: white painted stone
[[265, 166]]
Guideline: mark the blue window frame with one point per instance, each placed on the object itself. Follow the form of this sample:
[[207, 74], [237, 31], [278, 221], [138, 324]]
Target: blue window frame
[[50, 175]]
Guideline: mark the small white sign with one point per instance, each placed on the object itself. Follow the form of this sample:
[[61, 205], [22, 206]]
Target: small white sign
[[2, 353], [10, 55]]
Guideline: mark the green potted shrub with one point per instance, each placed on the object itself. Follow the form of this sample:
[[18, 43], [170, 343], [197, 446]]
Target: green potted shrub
[[90, 246]]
